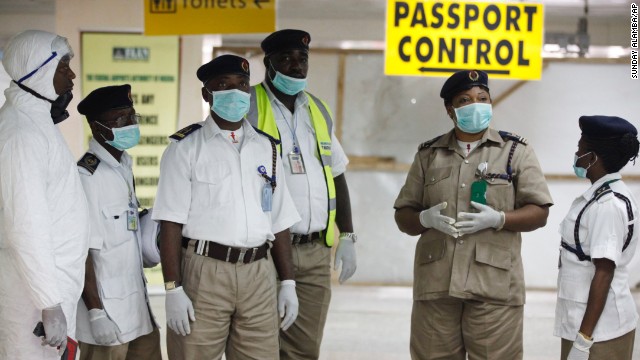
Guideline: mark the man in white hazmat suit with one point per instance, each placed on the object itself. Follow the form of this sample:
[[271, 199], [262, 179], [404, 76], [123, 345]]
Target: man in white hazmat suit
[[43, 210]]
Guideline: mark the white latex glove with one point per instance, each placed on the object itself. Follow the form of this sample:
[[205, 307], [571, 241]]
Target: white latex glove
[[55, 327], [103, 329], [486, 218], [287, 303], [345, 255], [431, 218], [179, 311], [580, 348]]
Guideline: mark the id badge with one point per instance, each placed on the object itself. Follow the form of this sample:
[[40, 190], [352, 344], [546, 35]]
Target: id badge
[[296, 163], [479, 192], [132, 220], [267, 196]]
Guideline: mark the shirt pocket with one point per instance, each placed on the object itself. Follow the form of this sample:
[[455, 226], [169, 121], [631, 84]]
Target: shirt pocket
[[430, 250], [121, 300], [490, 274], [115, 218], [500, 194], [574, 288], [213, 185], [436, 187]]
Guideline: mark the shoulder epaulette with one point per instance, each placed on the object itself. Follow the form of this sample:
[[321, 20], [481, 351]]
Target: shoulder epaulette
[[271, 138], [183, 133], [509, 136], [89, 162], [427, 144]]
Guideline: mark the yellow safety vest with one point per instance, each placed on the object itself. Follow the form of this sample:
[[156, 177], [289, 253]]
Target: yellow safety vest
[[261, 116]]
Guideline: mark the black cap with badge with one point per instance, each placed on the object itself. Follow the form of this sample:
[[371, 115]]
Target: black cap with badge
[[106, 98], [224, 64], [287, 39], [463, 80]]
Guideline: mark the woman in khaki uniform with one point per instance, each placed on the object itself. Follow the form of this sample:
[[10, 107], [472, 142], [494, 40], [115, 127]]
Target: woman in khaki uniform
[[469, 194]]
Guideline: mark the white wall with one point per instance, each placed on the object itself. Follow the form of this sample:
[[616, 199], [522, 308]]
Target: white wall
[[381, 119]]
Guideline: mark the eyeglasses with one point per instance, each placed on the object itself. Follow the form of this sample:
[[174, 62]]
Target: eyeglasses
[[124, 120]]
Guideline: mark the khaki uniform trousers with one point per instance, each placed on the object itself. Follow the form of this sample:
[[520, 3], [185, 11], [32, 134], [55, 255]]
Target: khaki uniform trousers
[[451, 328], [235, 308], [146, 347], [312, 265], [620, 348]]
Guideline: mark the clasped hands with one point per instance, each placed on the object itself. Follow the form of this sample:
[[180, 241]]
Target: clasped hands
[[468, 223]]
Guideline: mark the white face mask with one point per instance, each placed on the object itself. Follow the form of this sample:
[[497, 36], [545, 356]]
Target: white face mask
[[580, 171]]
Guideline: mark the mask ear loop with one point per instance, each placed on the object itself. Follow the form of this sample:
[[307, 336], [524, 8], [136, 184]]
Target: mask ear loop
[[104, 126]]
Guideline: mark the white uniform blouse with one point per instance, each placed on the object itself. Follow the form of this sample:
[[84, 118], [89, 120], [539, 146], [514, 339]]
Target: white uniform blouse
[[309, 191], [603, 230], [117, 258], [216, 191]]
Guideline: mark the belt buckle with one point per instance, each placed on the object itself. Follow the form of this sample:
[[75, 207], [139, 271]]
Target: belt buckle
[[295, 238], [243, 251]]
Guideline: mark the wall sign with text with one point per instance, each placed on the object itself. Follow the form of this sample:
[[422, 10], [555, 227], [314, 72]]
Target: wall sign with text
[[436, 38], [180, 17]]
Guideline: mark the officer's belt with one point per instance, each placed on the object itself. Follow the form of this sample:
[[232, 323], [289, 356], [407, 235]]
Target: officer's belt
[[227, 253], [304, 238]]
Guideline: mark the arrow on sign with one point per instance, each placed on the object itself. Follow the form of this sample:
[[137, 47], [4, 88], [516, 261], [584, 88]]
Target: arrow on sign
[[257, 2]]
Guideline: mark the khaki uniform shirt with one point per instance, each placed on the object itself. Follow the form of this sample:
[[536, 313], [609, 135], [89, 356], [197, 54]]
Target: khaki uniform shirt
[[485, 265]]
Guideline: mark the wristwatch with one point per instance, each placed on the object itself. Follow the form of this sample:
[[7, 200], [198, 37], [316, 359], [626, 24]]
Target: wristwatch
[[170, 285], [349, 235]]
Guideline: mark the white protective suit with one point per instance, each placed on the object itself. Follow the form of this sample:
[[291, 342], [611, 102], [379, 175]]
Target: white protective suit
[[43, 210]]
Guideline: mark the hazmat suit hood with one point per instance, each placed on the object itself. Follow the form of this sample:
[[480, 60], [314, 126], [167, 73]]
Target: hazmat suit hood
[[31, 59]]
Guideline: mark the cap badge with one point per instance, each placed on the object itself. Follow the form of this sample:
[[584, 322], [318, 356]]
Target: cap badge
[[473, 75], [305, 40], [245, 66]]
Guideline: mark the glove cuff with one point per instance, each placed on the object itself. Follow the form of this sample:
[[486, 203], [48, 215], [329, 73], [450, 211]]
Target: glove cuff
[[288, 283], [97, 314], [582, 343], [423, 221], [501, 221], [174, 290]]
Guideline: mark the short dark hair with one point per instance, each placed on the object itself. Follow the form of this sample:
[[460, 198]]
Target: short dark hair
[[614, 152]]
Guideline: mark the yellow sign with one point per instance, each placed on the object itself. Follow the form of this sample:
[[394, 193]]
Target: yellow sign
[[150, 66], [437, 38], [179, 17]]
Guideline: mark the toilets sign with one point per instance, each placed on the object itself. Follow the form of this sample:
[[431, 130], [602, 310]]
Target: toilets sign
[[437, 38], [179, 17]]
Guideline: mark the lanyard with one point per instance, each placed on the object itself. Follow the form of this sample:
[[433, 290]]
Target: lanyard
[[296, 148]]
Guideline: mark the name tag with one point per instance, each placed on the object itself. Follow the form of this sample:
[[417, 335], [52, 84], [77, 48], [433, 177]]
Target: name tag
[[267, 197]]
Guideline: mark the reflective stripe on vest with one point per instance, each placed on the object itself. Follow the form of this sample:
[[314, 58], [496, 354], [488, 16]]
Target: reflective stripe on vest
[[261, 116]]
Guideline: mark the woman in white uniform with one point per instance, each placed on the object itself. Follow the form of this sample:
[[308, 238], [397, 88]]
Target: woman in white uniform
[[596, 316]]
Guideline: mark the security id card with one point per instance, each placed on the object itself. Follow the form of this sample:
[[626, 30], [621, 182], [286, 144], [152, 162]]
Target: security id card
[[296, 163], [132, 220]]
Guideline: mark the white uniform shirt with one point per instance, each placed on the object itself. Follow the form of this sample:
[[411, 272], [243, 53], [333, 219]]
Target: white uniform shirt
[[603, 230], [117, 258], [216, 191], [309, 190]]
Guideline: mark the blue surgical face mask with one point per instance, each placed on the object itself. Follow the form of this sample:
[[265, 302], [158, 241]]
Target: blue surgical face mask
[[231, 105], [580, 171], [474, 118], [287, 84], [124, 137]]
